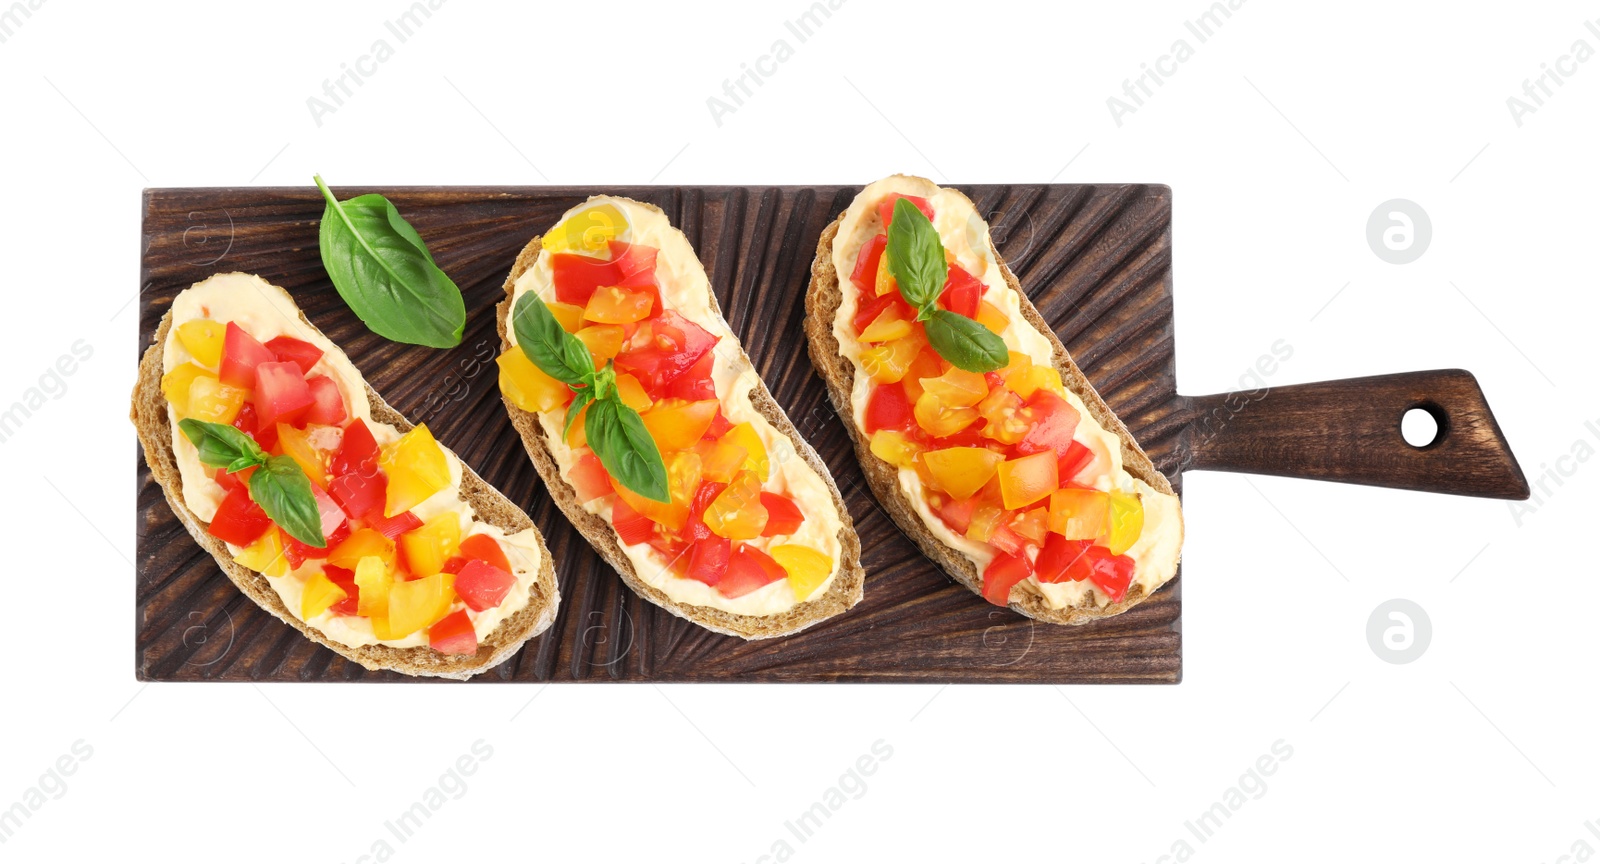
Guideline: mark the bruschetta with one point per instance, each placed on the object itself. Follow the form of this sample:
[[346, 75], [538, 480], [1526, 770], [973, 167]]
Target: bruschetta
[[974, 428], [321, 502], [609, 323]]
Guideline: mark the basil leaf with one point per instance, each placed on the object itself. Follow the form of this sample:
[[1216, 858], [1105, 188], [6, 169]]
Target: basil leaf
[[580, 398], [222, 446], [385, 272], [548, 345], [617, 435], [964, 342], [283, 491], [916, 256]]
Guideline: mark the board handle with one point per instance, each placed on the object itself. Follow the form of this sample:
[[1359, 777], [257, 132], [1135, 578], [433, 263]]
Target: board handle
[[1349, 432]]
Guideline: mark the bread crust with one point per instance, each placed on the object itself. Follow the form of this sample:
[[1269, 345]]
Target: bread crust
[[149, 416], [822, 304], [846, 589]]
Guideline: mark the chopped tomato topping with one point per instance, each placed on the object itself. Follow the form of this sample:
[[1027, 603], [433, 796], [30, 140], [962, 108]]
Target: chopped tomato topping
[[241, 354], [748, 569], [482, 585], [299, 352], [239, 520], [783, 515], [866, 269], [454, 634], [1002, 573]]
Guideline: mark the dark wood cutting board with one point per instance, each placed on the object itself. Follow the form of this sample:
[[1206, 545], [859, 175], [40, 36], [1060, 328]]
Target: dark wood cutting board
[[1095, 259]]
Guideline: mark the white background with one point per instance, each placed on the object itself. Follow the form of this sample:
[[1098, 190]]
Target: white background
[[1279, 136]]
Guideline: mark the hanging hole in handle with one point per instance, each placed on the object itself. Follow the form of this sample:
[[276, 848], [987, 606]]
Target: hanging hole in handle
[[1424, 425]]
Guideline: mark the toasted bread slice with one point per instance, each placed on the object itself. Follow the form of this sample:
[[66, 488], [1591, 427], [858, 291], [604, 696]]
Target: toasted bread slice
[[149, 415], [822, 303], [845, 590]]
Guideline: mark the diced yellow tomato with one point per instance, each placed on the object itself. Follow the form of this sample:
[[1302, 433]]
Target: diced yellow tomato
[[296, 444], [672, 514], [615, 305], [1031, 524], [427, 548], [215, 402], [570, 317], [961, 471], [990, 316], [602, 340], [927, 364], [1079, 514], [1017, 365], [678, 423], [883, 281], [957, 388], [419, 603], [202, 338], [888, 362], [1002, 409], [939, 419], [1042, 378], [807, 568], [895, 448], [1027, 479], [984, 520], [887, 326], [373, 581], [720, 460], [577, 433], [587, 232], [737, 512], [1125, 522], [318, 595], [417, 469], [363, 543], [684, 472], [265, 555], [175, 385], [744, 435], [526, 386], [632, 392]]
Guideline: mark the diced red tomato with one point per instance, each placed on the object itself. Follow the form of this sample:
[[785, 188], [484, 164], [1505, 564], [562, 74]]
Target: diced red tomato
[[482, 585], [478, 547], [888, 408], [236, 480], [291, 350], [327, 404], [589, 478], [281, 393], [393, 526], [673, 549], [783, 515], [1078, 458], [577, 276], [298, 553], [345, 579], [872, 306], [675, 345], [632, 526], [972, 436], [1054, 421], [1002, 573], [886, 207], [962, 291], [636, 266], [358, 450], [695, 384], [695, 529], [241, 354], [719, 425], [1008, 541], [239, 520], [1110, 573], [266, 437], [1057, 557], [454, 634], [333, 516], [361, 492], [708, 559], [748, 569], [957, 513], [865, 274]]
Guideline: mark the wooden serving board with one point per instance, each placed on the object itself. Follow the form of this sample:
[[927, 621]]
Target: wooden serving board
[[1095, 259]]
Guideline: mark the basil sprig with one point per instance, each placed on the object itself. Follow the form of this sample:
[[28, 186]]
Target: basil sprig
[[279, 486], [386, 273], [615, 432], [916, 260]]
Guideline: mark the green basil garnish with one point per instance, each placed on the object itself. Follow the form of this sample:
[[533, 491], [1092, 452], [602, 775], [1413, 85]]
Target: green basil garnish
[[916, 260], [279, 486], [384, 271], [616, 433]]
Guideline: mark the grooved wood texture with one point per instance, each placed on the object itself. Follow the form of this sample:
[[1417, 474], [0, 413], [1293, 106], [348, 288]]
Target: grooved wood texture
[[1096, 260]]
